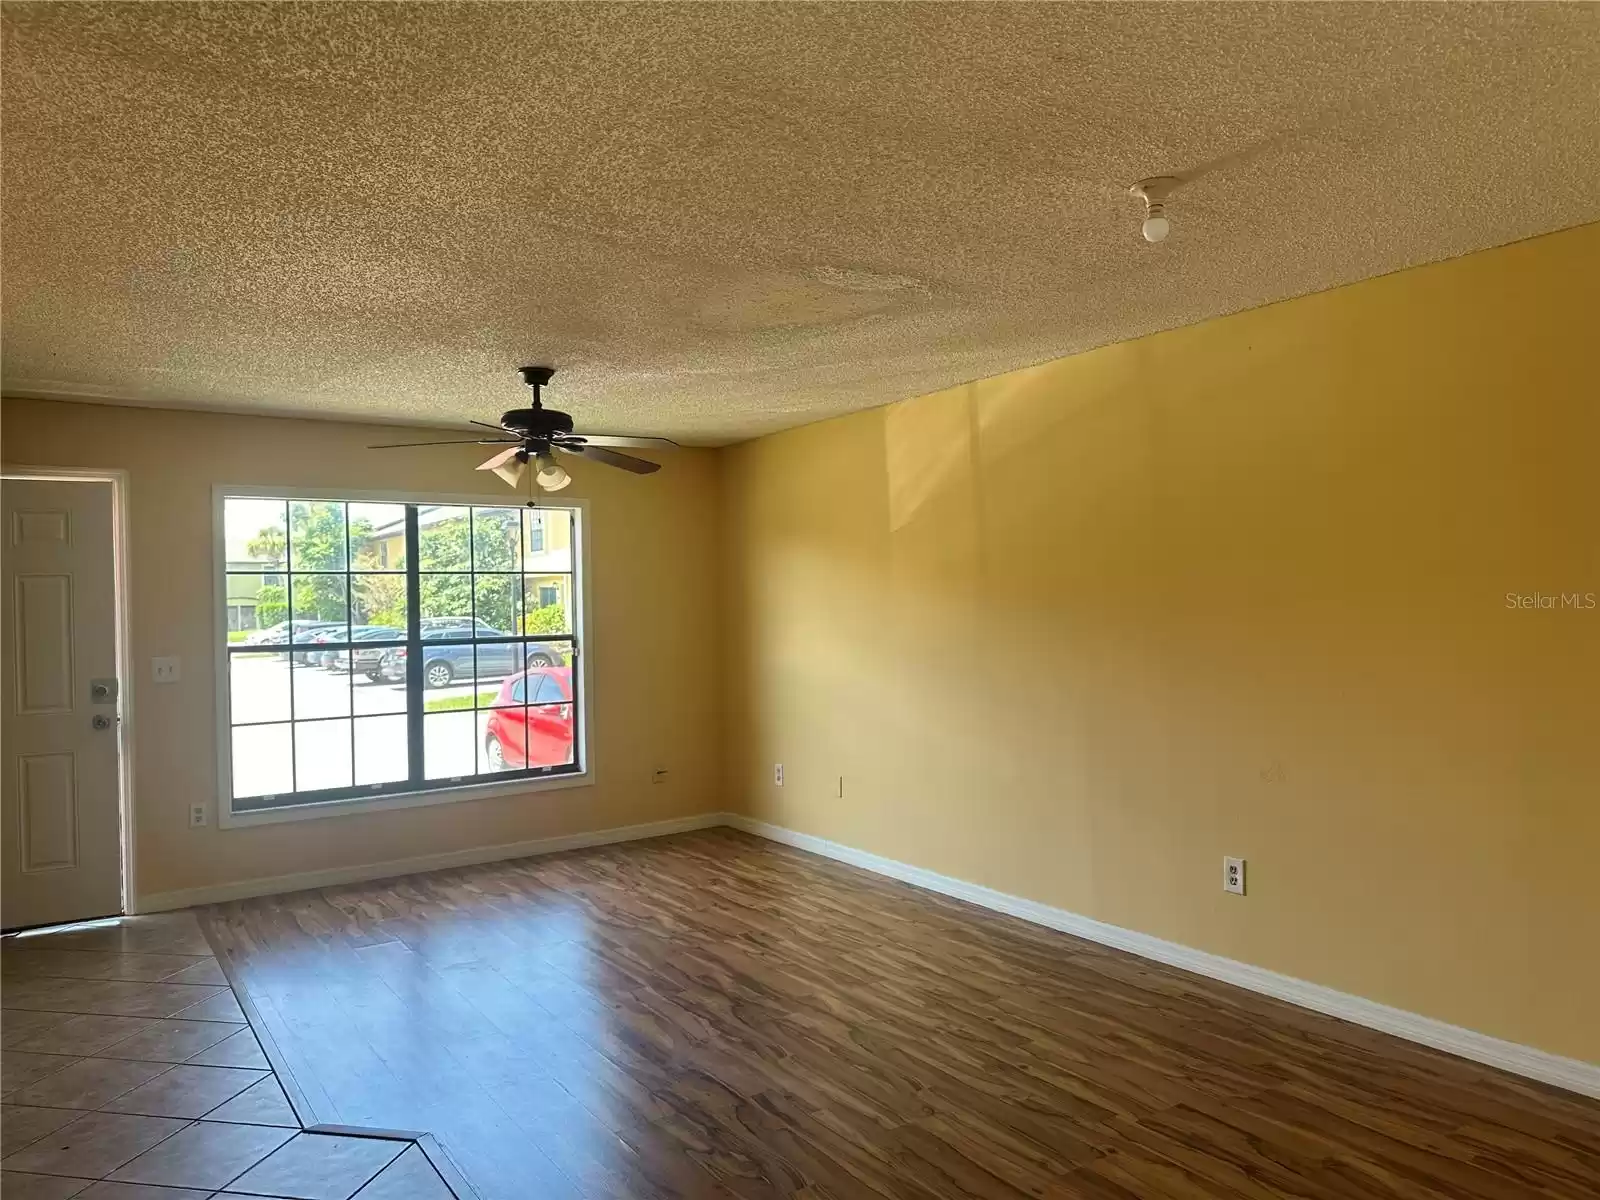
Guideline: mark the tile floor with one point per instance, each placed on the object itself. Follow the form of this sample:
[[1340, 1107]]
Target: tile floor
[[129, 1072]]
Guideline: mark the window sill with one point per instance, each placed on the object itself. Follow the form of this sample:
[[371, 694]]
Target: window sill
[[228, 819]]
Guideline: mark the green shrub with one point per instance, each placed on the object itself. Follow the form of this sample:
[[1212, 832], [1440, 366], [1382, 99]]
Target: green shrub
[[272, 605], [552, 618]]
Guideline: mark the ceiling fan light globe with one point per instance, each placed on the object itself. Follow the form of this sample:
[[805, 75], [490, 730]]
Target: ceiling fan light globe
[[552, 476], [511, 470]]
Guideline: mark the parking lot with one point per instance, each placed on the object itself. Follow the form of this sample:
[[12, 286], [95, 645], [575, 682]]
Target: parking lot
[[349, 729]]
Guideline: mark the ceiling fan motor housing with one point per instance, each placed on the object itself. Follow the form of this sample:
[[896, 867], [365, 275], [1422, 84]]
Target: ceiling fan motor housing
[[539, 423], [536, 422]]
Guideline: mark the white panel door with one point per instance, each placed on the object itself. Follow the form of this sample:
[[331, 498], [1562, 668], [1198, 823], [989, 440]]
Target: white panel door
[[59, 794]]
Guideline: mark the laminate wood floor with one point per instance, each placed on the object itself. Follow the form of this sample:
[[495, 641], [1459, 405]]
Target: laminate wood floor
[[714, 1015]]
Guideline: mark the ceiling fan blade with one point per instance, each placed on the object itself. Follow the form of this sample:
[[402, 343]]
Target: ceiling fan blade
[[621, 439], [455, 442], [486, 425], [611, 458], [499, 460]]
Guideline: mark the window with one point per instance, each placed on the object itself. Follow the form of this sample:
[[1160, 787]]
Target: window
[[550, 691], [388, 648]]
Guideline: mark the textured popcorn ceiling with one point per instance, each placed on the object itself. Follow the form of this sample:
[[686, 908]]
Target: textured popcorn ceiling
[[722, 220]]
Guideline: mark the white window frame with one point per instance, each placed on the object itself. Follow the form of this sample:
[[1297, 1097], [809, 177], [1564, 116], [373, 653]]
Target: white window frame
[[446, 793]]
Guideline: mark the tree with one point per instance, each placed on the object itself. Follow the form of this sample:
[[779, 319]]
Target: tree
[[379, 600], [269, 547], [317, 543], [445, 547]]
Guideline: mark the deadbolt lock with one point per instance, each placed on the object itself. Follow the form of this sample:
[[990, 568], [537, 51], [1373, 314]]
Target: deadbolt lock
[[102, 691]]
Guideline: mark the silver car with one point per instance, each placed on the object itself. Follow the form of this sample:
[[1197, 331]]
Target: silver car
[[363, 659]]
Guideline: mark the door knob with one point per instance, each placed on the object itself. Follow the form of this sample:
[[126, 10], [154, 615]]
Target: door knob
[[101, 721]]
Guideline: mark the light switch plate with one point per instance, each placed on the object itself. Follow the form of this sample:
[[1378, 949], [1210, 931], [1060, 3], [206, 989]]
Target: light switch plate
[[165, 670]]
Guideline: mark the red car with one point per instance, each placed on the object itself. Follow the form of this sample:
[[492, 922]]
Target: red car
[[547, 728]]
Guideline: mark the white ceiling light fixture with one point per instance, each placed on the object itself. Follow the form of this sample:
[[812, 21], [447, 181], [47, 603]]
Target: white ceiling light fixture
[[1154, 192], [552, 476], [511, 464], [508, 464]]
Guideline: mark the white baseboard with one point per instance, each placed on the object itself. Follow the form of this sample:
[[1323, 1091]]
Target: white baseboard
[[1569, 1073], [275, 884]]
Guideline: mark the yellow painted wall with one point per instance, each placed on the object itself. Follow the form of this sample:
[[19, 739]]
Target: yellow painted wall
[[1078, 631], [653, 546], [1074, 633]]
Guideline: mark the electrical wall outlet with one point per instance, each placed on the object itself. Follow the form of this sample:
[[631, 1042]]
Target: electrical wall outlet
[[165, 670], [1233, 875], [197, 816], [777, 774]]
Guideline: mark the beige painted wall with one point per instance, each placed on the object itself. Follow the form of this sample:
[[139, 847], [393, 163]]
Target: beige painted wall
[[1079, 631], [652, 643]]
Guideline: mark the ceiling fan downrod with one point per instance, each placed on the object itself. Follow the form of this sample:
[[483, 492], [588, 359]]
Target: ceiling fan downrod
[[536, 378]]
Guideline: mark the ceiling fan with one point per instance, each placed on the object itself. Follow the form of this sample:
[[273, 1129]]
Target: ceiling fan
[[534, 435]]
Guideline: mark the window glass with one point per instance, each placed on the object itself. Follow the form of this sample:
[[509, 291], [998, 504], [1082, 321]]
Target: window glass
[[449, 747], [444, 537], [377, 537], [379, 600], [546, 607], [321, 604], [316, 535], [255, 533], [447, 599], [375, 740], [494, 539], [497, 602], [547, 540], [322, 646]]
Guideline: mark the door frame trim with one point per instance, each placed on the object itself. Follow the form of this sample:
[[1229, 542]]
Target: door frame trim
[[118, 479]]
